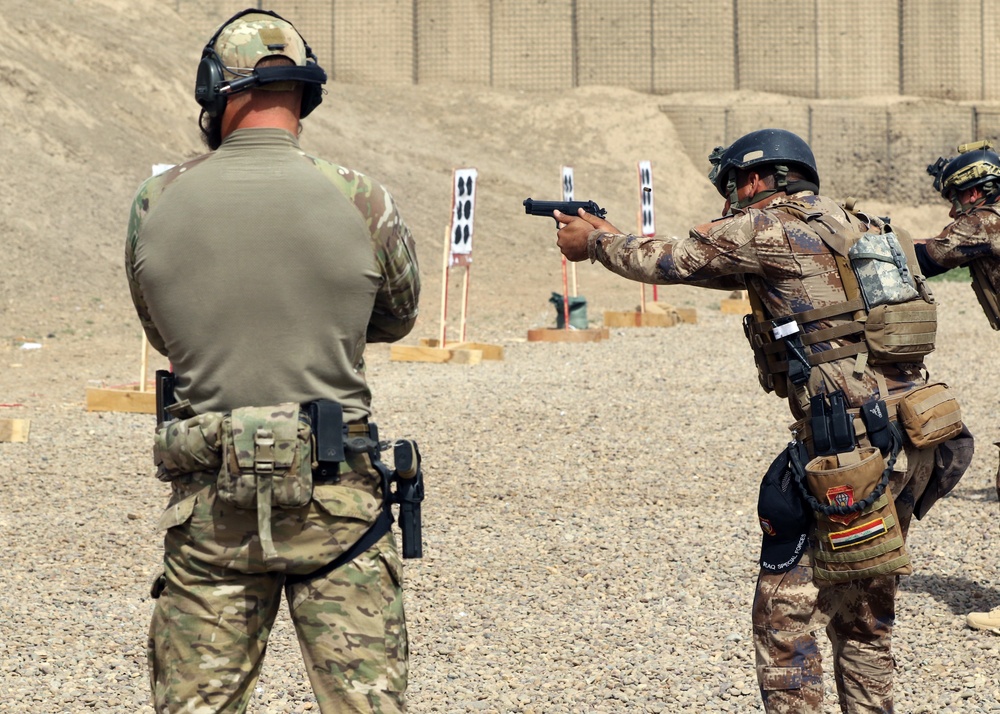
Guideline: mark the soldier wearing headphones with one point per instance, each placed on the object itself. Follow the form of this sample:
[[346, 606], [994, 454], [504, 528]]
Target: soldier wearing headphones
[[835, 506], [261, 272], [970, 181]]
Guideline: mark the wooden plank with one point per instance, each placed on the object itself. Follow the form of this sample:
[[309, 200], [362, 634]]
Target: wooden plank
[[416, 353], [465, 356], [732, 306], [688, 315], [120, 400], [614, 318], [14, 430], [492, 352], [558, 334]]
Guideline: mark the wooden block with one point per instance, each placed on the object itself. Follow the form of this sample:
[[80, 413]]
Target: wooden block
[[732, 306], [558, 334], [634, 318], [410, 353], [465, 356], [14, 430], [615, 318], [656, 319], [688, 315], [120, 400], [493, 352]]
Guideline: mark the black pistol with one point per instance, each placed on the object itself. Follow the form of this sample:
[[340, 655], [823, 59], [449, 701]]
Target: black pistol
[[570, 208], [164, 394], [409, 494]]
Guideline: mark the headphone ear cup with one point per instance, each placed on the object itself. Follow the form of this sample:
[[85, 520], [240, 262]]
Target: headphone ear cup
[[312, 97], [207, 83]]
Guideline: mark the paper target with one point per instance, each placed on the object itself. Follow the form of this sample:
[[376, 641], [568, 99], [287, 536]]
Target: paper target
[[567, 183], [463, 213], [646, 214]]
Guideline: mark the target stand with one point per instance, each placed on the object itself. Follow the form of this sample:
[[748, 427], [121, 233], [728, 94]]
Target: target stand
[[457, 253], [568, 333], [135, 398]]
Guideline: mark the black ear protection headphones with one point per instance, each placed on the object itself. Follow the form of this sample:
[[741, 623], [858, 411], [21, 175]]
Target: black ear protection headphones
[[211, 89]]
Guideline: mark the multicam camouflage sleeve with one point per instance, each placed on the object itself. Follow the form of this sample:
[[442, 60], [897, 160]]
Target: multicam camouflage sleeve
[[714, 255], [395, 309], [139, 210]]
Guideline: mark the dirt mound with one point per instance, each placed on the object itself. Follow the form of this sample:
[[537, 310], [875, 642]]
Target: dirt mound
[[84, 124]]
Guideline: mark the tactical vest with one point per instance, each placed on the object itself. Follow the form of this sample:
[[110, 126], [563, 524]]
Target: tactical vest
[[894, 320]]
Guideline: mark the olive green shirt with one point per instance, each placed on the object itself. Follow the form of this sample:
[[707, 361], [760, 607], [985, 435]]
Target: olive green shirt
[[261, 273]]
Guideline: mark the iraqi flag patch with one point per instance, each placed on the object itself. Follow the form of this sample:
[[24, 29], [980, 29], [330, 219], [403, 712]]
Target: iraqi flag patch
[[859, 534]]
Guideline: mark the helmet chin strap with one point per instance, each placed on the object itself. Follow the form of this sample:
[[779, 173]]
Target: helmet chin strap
[[781, 179]]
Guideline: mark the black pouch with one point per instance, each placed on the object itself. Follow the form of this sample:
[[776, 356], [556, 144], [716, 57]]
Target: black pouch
[[327, 420], [819, 425], [875, 415], [841, 423]]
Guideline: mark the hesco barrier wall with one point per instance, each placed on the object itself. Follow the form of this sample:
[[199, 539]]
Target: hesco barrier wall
[[835, 71], [863, 149], [821, 49]]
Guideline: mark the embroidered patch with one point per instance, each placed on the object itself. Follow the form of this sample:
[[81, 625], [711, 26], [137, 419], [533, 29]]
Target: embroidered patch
[[860, 534], [765, 525], [841, 496]]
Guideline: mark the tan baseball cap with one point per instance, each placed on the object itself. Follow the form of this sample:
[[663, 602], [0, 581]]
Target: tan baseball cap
[[252, 37]]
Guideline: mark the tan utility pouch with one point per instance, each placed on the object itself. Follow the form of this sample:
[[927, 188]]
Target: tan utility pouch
[[930, 415], [183, 446], [266, 461], [266, 450], [858, 533], [903, 332]]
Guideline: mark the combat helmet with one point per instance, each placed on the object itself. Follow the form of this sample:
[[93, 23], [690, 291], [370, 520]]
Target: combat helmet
[[776, 147], [977, 164]]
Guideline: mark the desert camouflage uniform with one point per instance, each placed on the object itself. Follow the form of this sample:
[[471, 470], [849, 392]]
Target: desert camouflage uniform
[[777, 255], [261, 273], [973, 236]]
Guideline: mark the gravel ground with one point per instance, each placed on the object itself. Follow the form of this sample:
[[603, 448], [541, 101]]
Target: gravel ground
[[590, 530]]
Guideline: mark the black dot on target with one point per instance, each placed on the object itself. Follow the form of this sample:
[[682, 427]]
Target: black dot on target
[[465, 237], [468, 209], [458, 235]]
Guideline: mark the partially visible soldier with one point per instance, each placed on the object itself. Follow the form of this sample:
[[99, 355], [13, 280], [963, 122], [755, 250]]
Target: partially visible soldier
[[822, 278], [261, 272], [970, 181]]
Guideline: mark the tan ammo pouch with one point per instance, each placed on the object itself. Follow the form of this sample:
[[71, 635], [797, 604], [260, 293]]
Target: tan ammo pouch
[[985, 293], [183, 446], [858, 533], [930, 415], [903, 332]]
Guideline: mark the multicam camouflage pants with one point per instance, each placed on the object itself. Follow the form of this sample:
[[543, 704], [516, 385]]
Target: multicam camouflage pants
[[219, 599]]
